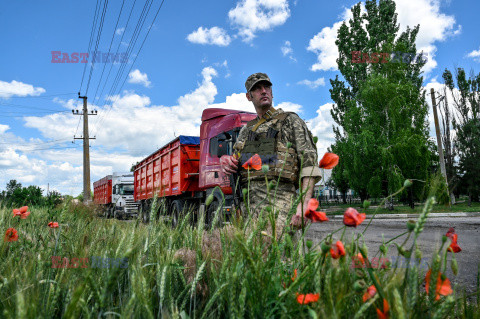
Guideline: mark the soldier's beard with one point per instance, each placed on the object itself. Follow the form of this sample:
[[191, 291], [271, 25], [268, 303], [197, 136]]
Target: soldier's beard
[[261, 109]]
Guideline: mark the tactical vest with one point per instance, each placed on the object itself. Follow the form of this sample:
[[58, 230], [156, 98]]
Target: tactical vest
[[282, 161]]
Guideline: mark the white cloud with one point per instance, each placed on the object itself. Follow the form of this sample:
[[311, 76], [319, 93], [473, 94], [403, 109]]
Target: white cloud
[[323, 45], [127, 131], [290, 107], [434, 27], [288, 51], [214, 35], [321, 126], [475, 54], [3, 128], [139, 78], [119, 31], [15, 88], [252, 16], [313, 84]]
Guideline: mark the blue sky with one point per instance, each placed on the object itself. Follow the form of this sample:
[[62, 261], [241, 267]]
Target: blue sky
[[197, 55]]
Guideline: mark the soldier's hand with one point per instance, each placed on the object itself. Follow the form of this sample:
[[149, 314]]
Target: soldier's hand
[[297, 221], [229, 164]]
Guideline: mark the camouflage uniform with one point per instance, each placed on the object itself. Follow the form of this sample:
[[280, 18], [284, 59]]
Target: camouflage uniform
[[294, 131]]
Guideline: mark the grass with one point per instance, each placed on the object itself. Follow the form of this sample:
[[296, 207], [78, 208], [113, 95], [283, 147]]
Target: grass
[[238, 271]]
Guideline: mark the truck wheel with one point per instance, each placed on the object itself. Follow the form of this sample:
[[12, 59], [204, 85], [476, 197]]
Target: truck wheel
[[176, 212], [210, 213], [110, 211], [145, 212]]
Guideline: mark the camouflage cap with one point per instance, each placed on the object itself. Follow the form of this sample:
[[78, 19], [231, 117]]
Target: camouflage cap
[[254, 79]]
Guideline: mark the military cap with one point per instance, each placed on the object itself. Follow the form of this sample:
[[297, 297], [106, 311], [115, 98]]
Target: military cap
[[254, 79]]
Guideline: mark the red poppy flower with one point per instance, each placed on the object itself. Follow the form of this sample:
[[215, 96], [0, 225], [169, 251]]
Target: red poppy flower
[[329, 161], [338, 250], [254, 162], [22, 212], [443, 288], [383, 314], [312, 213], [294, 275], [53, 224], [453, 246], [353, 218], [11, 235], [371, 291], [308, 298]]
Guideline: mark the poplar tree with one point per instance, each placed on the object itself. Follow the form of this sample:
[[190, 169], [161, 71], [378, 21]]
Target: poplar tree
[[380, 111], [466, 123]]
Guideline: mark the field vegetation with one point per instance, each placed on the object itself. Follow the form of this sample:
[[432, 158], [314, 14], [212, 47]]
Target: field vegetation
[[246, 269]]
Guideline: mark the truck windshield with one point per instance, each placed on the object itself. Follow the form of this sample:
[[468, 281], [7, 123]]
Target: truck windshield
[[126, 189]]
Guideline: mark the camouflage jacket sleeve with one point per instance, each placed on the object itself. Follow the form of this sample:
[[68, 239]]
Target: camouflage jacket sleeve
[[295, 130], [242, 137]]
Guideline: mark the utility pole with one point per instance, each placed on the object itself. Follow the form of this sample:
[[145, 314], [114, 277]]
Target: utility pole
[[86, 148], [439, 137]]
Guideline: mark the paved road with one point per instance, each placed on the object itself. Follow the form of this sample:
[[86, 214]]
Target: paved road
[[467, 228]]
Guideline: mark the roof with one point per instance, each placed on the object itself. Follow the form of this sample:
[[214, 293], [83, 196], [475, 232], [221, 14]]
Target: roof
[[216, 112]]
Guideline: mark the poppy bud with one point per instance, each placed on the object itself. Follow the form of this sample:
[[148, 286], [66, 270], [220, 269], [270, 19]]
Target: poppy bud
[[359, 273], [209, 200], [244, 192], [407, 183], [454, 266], [325, 247], [268, 209], [359, 286], [366, 204], [364, 250], [271, 185], [401, 250], [411, 225], [418, 253], [383, 249], [444, 239], [289, 144], [265, 168], [315, 139], [309, 244]]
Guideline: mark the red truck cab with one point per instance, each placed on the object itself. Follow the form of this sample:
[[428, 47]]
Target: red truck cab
[[186, 170]]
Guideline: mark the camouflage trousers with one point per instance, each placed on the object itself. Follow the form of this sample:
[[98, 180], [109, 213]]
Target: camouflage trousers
[[281, 198]]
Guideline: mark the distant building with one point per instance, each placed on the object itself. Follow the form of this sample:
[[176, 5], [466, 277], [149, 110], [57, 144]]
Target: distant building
[[329, 193]]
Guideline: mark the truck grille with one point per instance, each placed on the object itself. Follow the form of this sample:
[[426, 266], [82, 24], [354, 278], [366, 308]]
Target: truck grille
[[131, 207]]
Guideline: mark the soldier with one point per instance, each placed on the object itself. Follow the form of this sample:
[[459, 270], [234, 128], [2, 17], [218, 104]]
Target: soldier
[[283, 142]]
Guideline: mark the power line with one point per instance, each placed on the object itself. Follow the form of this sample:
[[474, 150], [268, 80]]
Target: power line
[[138, 52], [109, 48], [111, 65], [94, 24], [35, 97], [99, 35], [133, 39]]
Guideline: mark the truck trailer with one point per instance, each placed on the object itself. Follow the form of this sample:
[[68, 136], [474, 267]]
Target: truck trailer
[[114, 195], [185, 171]]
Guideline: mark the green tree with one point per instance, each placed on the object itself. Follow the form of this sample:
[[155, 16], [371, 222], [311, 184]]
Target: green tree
[[380, 109], [466, 123]]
